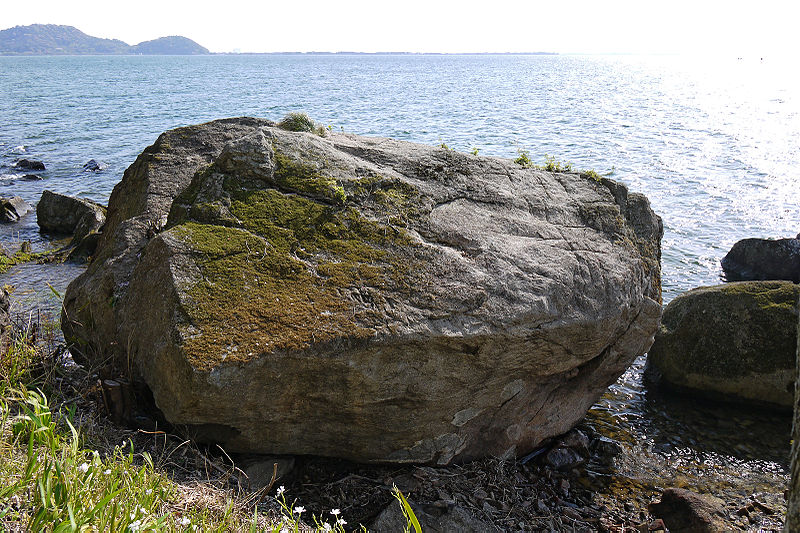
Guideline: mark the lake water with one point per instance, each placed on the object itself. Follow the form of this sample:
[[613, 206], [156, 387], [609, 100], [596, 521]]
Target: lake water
[[712, 143]]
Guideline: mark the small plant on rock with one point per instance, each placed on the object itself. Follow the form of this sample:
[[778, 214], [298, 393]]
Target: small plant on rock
[[523, 159], [297, 122], [553, 165]]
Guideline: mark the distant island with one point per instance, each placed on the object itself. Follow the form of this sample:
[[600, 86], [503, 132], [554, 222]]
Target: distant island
[[53, 39]]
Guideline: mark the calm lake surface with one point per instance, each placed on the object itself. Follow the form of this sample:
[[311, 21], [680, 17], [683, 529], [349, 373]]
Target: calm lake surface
[[712, 143]]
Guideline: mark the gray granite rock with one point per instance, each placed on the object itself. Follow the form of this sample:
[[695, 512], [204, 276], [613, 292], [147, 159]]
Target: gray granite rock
[[365, 298]]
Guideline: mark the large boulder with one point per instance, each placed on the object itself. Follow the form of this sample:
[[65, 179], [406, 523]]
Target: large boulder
[[733, 341], [763, 259], [365, 298]]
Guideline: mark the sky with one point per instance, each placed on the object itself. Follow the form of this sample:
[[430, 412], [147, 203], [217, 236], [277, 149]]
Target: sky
[[766, 27]]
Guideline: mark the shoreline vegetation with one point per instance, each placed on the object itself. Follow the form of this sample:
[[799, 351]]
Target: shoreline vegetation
[[65, 466]]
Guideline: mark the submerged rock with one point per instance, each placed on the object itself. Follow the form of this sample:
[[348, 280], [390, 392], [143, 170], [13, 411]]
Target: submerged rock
[[732, 341], [94, 166], [365, 298], [763, 259], [29, 164], [12, 209]]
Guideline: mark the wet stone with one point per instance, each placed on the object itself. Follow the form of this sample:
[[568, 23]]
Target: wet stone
[[564, 459]]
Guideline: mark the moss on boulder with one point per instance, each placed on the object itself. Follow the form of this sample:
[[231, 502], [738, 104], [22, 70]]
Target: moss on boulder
[[735, 340], [376, 300]]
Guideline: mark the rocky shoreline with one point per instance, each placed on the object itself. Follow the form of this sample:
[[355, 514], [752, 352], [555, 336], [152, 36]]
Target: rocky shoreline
[[563, 482]]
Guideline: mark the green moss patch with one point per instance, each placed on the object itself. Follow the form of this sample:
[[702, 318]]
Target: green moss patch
[[307, 179], [731, 330], [280, 281], [20, 257]]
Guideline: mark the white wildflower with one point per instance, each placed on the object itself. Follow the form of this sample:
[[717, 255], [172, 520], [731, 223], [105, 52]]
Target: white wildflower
[[335, 512], [341, 522], [149, 492], [326, 527], [184, 521], [281, 490], [299, 509], [84, 467], [135, 526], [107, 471]]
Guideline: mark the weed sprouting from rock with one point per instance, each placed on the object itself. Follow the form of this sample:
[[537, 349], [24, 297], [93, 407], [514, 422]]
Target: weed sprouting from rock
[[297, 122], [523, 159]]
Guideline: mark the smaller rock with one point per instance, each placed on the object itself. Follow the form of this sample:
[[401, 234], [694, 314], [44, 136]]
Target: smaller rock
[[564, 458], [13, 209], [29, 164], [59, 213], [605, 450], [733, 342], [261, 469], [94, 166], [32, 177], [763, 259], [684, 511], [575, 440]]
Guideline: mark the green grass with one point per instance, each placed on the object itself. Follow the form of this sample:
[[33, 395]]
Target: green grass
[[61, 472]]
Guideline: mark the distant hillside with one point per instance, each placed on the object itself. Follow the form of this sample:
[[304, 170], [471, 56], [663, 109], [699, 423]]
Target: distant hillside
[[174, 45], [52, 39]]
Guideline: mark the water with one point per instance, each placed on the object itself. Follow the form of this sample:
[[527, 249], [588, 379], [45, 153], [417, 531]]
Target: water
[[713, 144]]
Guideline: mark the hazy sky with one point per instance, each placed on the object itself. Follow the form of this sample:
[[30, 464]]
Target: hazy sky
[[568, 26]]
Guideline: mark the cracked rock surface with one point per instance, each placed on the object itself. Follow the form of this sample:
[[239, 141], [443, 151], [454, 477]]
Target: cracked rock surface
[[365, 298]]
